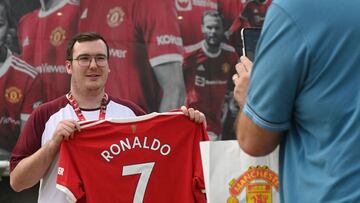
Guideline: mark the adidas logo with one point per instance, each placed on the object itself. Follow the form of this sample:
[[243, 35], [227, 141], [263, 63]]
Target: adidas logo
[[25, 41], [200, 68], [84, 14]]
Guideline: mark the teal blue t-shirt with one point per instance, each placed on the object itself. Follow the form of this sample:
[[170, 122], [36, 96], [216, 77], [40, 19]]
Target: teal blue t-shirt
[[306, 82]]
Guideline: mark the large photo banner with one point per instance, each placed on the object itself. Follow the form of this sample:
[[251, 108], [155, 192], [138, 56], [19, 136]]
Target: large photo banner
[[162, 54]]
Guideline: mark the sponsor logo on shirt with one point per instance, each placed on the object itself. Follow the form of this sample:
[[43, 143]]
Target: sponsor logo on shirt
[[183, 5], [61, 171], [117, 53], [258, 182], [57, 36], [13, 95], [115, 17], [8, 120], [169, 39], [202, 82], [47, 68]]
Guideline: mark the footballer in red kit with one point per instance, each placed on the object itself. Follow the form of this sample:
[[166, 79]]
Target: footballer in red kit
[[43, 36], [208, 65], [206, 80], [151, 158], [141, 34], [20, 87], [20, 91]]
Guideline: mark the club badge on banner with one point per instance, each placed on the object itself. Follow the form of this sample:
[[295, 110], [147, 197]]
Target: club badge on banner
[[232, 176]]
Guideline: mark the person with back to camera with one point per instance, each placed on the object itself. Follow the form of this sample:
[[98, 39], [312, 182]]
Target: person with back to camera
[[303, 94]]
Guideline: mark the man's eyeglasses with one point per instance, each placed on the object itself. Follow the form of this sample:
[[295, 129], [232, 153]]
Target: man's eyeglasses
[[85, 60]]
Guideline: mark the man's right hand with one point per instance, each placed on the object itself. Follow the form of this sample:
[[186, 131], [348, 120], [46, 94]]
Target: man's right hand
[[65, 131], [32, 168], [241, 80]]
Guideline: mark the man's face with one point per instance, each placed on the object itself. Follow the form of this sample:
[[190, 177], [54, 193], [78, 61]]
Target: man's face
[[213, 30], [94, 75], [4, 24]]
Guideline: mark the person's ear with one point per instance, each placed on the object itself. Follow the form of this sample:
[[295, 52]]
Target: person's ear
[[68, 67]]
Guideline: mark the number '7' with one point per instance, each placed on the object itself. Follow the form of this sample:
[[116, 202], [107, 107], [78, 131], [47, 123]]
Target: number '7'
[[145, 171]]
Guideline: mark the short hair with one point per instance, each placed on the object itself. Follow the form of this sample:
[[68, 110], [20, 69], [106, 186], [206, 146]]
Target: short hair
[[212, 13], [7, 9], [84, 37]]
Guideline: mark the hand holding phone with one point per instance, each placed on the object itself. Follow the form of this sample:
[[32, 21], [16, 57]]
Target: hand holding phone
[[250, 37]]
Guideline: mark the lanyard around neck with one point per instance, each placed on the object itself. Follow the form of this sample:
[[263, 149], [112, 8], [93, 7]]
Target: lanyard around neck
[[77, 109]]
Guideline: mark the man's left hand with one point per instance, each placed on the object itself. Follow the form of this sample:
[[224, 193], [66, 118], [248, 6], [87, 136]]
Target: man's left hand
[[194, 115]]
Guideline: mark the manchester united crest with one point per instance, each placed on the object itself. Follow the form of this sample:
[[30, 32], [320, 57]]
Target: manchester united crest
[[183, 5], [225, 67], [57, 36], [258, 183], [133, 128], [115, 16], [13, 95]]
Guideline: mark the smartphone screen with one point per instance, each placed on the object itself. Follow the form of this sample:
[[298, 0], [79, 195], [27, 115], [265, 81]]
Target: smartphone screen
[[250, 37]]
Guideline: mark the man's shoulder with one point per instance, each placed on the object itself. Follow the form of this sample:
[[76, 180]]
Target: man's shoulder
[[127, 103], [22, 67], [227, 47], [28, 17], [51, 107], [191, 49]]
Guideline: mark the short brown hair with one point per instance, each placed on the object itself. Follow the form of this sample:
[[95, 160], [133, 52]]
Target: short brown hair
[[84, 37]]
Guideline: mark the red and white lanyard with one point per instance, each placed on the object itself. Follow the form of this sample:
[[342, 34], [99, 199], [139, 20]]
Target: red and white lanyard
[[77, 109]]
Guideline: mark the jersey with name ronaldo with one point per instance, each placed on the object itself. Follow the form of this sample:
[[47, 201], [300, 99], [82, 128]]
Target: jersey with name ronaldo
[[43, 37], [20, 91], [141, 34], [39, 130], [151, 158]]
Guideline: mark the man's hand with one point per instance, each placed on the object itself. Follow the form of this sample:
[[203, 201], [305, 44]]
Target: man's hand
[[241, 80], [32, 168], [194, 115], [65, 131]]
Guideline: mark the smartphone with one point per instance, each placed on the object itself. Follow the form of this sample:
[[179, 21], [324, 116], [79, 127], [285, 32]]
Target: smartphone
[[249, 37]]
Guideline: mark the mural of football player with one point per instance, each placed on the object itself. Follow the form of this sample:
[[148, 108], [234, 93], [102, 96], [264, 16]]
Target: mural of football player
[[207, 68], [43, 36], [20, 87], [145, 50]]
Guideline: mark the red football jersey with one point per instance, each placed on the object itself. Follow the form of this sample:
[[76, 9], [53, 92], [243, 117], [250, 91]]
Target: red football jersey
[[141, 34], [20, 91], [43, 38], [206, 77], [151, 158]]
